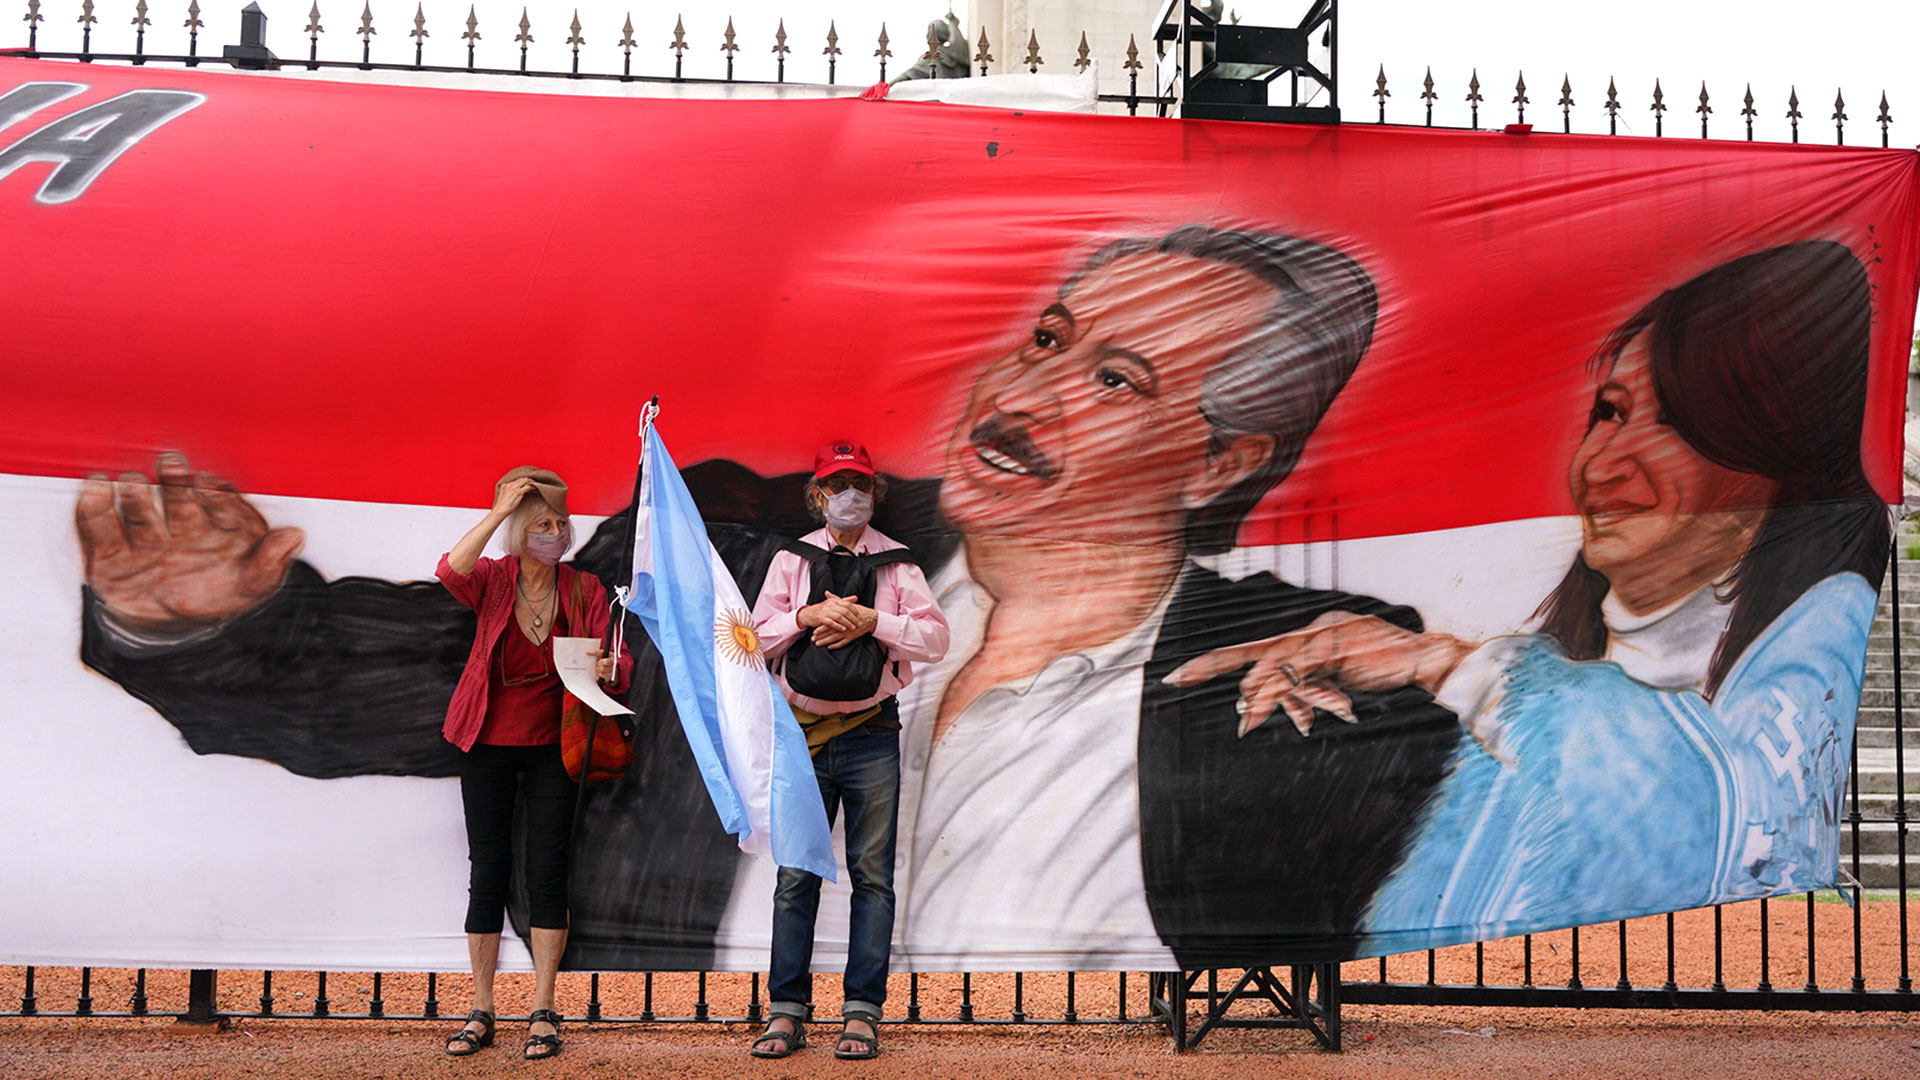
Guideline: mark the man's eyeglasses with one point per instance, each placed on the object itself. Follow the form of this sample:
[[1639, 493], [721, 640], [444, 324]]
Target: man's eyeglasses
[[834, 485]]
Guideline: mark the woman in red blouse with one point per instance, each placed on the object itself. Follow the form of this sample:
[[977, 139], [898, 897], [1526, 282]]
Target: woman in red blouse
[[505, 715]]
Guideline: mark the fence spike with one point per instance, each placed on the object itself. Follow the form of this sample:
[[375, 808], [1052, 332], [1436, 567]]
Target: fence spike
[[33, 19], [780, 39], [140, 14], [985, 56], [1427, 95], [1033, 60], [1839, 118], [1747, 110], [1381, 93], [932, 55], [1520, 96], [832, 51], [679, 45], [1793, 110], [727, 46], [525, 38], [1613, 108], [140, 24], [86, 13], [1659, 110], [366, 30], [1886, 118], [1083, 63], [193, 22], [1473, 97], [1705, 110], [883, 52], [420, 21], [1566, 103], [573, 37], [626, 36]]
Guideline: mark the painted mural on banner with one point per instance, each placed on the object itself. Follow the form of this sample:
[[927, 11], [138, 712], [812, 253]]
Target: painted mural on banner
[[1354, 539]]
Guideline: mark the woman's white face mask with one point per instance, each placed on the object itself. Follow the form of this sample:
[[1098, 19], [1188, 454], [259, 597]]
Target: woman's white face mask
[[550, 547]]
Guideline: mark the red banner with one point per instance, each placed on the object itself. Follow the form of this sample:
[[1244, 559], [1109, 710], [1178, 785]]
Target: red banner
[[1320, 541], [311, 284]]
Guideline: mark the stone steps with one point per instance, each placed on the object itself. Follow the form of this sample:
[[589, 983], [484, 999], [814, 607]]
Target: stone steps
[[1883, 871], [1881, 697], [1883, 716], [1882, 838], [1877, 738], [1876, 771]]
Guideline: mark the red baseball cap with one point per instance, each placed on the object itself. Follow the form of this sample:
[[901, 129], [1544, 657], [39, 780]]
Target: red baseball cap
[[841, 456]]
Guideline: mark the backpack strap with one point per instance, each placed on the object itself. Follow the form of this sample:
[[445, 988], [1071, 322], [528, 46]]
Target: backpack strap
[[807, 552], [888, 557]]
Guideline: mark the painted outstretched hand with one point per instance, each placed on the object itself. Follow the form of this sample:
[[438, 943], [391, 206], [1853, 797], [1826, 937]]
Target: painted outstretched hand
[[181, 554], [1316, 667]]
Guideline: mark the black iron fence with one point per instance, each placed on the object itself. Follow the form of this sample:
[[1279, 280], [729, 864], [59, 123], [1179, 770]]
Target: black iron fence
[[64, 30], [1845, 950]]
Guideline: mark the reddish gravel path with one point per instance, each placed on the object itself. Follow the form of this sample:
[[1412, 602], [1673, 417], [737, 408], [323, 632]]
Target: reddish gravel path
[[1381, 1041]]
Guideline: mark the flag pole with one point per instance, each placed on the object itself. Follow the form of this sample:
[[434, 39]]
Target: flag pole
[[615, 636]]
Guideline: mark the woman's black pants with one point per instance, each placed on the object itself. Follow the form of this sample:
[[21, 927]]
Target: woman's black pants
[[490, 778]]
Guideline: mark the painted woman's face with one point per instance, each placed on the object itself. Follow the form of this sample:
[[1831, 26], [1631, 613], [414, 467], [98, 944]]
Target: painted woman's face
[[1654, 512]]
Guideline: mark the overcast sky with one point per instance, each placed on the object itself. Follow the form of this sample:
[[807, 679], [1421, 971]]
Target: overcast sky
[[1863, 46]]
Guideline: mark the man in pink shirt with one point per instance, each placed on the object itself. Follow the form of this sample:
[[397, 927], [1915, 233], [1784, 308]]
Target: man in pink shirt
[[855, 587]]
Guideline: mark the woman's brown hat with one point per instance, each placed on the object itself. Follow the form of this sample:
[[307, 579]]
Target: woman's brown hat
[[552, 489]]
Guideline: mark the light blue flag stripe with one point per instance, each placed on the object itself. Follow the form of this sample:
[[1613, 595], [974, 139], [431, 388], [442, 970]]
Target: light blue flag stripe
[[678, 602], [675, 604]]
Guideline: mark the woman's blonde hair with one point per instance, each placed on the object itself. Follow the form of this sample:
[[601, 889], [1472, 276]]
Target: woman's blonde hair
[[514, 539]]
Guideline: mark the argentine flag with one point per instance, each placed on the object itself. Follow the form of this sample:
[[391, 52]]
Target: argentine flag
[[749, 747]]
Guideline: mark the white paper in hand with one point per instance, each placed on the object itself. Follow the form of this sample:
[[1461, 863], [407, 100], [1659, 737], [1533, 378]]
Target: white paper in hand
[[573, 656]]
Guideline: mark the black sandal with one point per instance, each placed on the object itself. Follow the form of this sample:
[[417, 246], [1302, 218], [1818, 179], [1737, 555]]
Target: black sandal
[[542, 1016], [468, 1042], [870, 1042], [789, 1040]]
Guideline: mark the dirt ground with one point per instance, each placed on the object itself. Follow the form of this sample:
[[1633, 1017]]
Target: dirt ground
[[1381, 1041]]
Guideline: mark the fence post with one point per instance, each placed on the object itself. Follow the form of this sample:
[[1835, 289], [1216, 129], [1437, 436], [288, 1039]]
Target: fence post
[[202, 1013]]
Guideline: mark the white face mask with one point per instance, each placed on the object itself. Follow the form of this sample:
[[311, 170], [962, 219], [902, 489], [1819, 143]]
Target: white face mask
[[550, 547], [849, 509]]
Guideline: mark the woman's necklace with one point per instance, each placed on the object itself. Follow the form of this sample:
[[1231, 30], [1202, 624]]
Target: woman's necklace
[[536, 608]]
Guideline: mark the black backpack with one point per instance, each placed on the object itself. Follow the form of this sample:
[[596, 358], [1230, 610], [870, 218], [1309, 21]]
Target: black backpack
[[851, 672]]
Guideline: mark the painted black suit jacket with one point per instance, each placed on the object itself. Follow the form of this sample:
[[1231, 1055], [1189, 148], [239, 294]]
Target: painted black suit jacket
[[1259, 850]]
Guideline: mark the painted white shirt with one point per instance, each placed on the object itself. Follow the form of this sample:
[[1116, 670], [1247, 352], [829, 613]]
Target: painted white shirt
[[1020, 828], [1667, 649]]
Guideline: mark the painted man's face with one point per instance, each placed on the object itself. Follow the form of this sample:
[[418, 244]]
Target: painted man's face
[[1092, 430]]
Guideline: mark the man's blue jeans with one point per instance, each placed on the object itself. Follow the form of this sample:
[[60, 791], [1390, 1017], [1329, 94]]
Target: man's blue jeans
[[861, 771]]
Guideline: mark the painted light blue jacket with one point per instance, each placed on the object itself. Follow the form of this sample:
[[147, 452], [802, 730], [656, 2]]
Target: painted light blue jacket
[[1610, 799]]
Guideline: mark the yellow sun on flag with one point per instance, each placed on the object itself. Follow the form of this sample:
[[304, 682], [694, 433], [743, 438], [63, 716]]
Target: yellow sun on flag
[[733, 632]]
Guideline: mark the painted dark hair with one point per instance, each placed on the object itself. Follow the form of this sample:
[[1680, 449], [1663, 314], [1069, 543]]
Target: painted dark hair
[[1760, 364], [1282, 379]]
